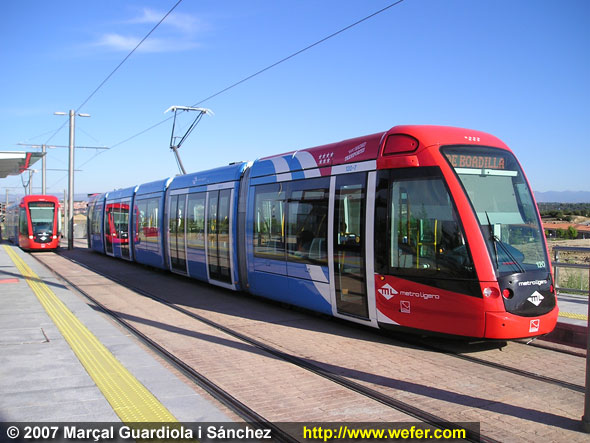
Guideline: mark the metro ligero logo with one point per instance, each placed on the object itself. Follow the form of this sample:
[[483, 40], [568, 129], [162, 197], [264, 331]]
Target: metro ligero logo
[[387, 291], [536, 298]]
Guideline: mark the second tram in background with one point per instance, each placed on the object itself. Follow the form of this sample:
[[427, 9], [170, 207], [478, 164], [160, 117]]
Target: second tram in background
[[34, 222], [422, 228]]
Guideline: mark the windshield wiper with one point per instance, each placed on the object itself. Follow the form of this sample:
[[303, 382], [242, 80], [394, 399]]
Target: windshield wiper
[[496, 241], [493, 239], [509, 254]]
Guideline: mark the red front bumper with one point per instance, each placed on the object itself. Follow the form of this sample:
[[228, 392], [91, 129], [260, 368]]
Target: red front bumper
[[503, 325]]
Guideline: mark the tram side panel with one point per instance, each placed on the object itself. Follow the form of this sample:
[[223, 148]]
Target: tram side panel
[[200, 225], [267, 270], [12, 224], [148, 230], [306, 242], [425, 275], [286, 239], [150, 225], [119, 221], [95, 217], [196, 236]]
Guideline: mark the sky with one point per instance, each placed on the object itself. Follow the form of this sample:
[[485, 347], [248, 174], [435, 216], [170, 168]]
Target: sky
[[518, 69]]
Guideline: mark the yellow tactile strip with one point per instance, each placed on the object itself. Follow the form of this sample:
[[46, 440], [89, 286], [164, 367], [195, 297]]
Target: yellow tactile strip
[[574, 316], [130, 400]]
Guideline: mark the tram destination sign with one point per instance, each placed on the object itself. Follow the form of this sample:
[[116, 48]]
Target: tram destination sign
[[478, 161]]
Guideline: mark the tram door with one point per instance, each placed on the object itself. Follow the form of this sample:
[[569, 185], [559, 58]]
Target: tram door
[[349, 245], [108, 229], [218, 235], [124, 227], [176, 229]]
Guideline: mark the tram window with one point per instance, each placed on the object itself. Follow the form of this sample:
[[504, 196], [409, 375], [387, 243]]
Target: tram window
[[23, 226], [196, 221], [425, 236], [148, 223], [307, 227], [152, 215], [141, 209], [96, 219], [42, 215], [223, 237], [223, 221], [269, 221]]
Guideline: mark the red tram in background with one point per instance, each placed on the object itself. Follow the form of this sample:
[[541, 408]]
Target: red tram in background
[[34, 223], [117, 227], [117, 219]]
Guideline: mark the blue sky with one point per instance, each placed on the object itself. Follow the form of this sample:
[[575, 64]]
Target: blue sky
[[518, 69]]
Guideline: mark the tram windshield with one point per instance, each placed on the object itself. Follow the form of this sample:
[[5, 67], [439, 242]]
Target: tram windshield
[[505, 209], [42, 216]]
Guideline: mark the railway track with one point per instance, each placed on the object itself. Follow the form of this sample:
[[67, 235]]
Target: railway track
[[517, 371], [407, 339], [576, 353], [225, 397]]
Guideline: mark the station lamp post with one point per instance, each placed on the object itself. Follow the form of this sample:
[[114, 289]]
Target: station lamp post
[[70, 220]]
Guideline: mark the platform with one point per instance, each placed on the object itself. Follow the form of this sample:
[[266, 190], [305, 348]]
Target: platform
[[572, 326], [63, 361]]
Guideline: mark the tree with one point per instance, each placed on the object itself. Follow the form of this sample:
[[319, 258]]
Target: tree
[[572, 232]]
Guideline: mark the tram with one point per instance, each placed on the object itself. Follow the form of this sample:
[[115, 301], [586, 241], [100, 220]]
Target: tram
[[426, 229], [34, 223]]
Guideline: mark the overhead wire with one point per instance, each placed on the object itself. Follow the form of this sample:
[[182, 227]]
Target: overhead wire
[[112, 73], [129, 55], [299, 52], [251, 76], [107, 78]]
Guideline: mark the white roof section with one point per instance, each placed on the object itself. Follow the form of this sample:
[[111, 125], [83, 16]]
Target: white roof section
[[14, 163]]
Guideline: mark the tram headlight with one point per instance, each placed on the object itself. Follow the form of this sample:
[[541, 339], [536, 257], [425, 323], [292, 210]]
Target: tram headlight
[[31, 237]]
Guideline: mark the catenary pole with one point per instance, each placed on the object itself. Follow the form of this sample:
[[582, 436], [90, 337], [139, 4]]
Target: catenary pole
[[69, 222], [71, 182], [43, 170]]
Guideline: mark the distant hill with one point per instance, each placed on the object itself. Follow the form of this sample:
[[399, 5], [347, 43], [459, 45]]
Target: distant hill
[[563, 196]]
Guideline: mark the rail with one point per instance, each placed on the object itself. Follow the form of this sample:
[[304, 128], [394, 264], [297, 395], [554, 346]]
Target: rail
[[557, 265]]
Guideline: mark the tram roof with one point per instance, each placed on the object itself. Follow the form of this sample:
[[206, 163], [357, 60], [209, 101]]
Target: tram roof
[[121, 193], [368, 147], [347, 151], [431, 135], [152, 187], [223, 174]]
